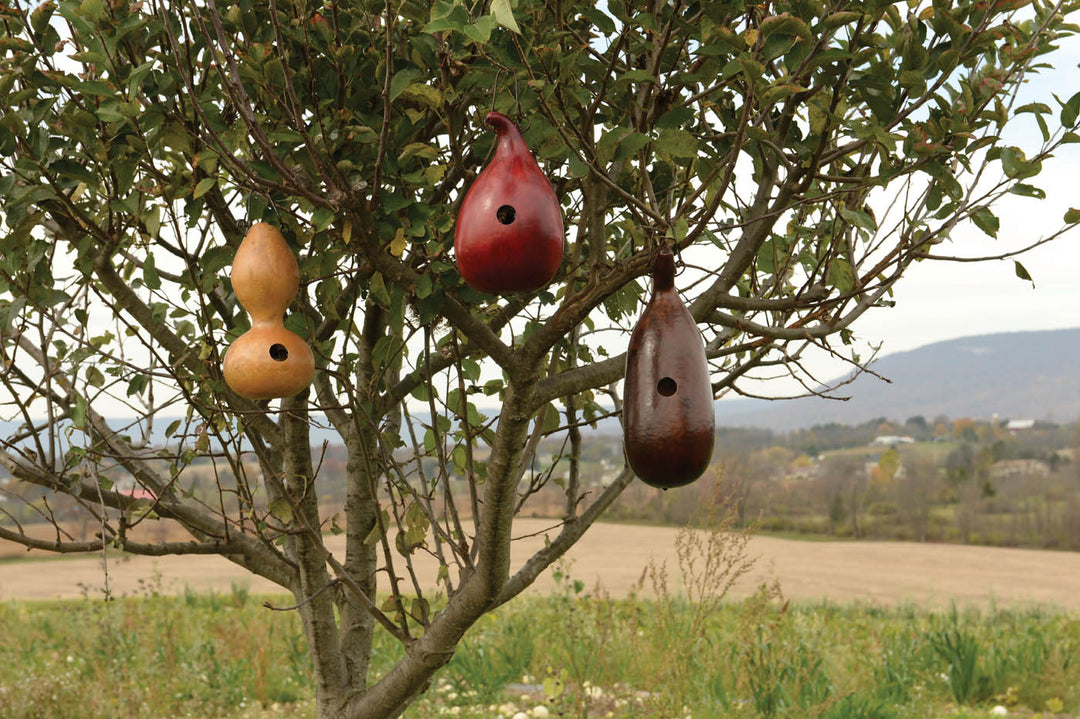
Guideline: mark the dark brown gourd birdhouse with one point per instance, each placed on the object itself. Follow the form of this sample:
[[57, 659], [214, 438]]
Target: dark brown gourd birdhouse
[[268, 360], [668, 421], [509, 234]]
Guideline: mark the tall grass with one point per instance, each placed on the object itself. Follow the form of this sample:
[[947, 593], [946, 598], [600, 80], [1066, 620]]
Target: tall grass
[[578, 651], [156, 656], [764, 658]]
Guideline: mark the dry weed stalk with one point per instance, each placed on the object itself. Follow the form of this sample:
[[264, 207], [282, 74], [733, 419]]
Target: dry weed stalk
[[712, 556]]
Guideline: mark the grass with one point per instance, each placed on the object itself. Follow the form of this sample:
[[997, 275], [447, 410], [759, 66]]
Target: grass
[[577, 652], [184, 656]]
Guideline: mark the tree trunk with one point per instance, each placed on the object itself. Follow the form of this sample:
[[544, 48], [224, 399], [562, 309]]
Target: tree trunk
[[357, 623], [316, 606]]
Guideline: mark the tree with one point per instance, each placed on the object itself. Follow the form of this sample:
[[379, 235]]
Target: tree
[[800, 155]]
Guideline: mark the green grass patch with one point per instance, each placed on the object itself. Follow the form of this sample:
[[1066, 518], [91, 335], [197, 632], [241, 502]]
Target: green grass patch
[[577, 652]]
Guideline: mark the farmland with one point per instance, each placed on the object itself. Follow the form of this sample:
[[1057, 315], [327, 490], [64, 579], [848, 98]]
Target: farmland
[[615, 556]]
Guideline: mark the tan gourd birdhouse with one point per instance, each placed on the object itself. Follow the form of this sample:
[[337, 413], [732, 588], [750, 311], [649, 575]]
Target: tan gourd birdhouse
[[268, 360]]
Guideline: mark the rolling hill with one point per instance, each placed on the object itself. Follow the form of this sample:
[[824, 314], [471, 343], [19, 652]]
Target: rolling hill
[[1032, 375]]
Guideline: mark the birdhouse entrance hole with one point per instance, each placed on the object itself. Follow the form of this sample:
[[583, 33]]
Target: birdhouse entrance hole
[[506, 214], [279, 352], [667, 386]]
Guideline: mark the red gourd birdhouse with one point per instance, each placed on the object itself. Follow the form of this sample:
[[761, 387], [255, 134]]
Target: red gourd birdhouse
[[668, 421], [268, 360], [509, 235]]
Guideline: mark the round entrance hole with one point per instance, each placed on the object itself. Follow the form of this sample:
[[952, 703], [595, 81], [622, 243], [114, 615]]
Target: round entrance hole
[[279, 352], [506, 214], [667, 386]]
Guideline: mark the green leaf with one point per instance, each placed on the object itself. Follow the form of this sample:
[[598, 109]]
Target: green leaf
[[841, 275], [203, 187], [92, 10], [377, 288], [551, 420], [424, 285], [504, 15], [1070, 111], [637, 76], [1016, 165], [675, 117], [609, 142], [682, 228], [376, 534], [150, 275], [446, 16], [629, 146], [480, 31], [399, 243], [859, 218], [838, 19], [1022, 272], [415, 517], [216, 258], [110, 111], [39, 18], [75, 170], [419, 607], [281, 509], [152, 221], [578, 168], [603, 22], [94, 376], [401, 80], [1072, 216], [424, 94], [986, 221], [1025, 190], [750, 67], [678, 143], [785, 24], [78, 412], [137, 384]]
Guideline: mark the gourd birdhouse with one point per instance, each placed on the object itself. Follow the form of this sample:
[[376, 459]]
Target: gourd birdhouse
[[668, 421], [268, 360], [509, 234]]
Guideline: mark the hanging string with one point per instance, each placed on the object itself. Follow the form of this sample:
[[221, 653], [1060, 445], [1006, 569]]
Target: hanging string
[[495, 87], [518, 120]]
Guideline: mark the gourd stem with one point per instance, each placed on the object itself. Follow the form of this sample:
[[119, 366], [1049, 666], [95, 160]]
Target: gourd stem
[[664, 270], [510, 140]]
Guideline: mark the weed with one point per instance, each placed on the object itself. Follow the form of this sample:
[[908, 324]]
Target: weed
[[485, 663], [960, 651], [579, 652]]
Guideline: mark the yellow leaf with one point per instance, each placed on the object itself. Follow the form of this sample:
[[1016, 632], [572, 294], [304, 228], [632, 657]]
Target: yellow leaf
[[397, 245], [751, 37], [346, 232]]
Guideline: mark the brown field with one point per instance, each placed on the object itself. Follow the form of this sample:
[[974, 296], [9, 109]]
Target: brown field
[[614, 556]]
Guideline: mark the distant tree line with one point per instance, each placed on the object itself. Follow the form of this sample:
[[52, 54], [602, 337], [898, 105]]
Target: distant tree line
[[963, 480]]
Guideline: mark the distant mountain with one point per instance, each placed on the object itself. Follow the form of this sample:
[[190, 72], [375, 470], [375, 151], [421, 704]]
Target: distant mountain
[[1032, 375]]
